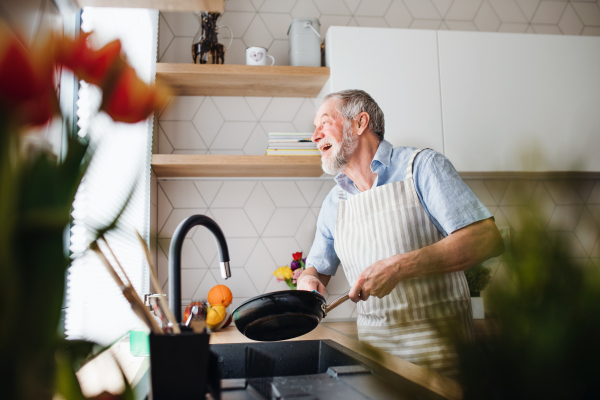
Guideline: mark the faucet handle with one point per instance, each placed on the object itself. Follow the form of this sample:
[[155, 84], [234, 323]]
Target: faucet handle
[[225, 270]]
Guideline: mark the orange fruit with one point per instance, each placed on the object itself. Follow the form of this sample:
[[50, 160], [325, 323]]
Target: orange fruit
[[220, 295]]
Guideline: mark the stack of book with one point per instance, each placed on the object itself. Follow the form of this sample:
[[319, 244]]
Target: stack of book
[[291, 144]]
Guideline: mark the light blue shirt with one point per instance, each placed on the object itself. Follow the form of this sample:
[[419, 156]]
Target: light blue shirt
[[447, 200]]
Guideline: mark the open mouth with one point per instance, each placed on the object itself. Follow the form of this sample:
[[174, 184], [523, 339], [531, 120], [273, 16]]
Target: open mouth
[[325, 148]]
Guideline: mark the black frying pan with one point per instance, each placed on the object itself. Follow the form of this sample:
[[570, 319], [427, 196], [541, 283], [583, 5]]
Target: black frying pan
[[282, 315]]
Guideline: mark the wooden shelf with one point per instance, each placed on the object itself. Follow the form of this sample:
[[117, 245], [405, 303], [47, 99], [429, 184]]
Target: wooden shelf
[[191, 166], [242, 80], [166, 5]]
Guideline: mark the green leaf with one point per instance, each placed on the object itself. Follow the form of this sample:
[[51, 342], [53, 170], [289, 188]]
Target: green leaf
[[67, 384], [81, 351], [290, 284], [128, 393], [548, 319]]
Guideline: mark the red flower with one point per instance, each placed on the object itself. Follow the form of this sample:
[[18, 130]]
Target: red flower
[[130, 99], [126, 98], [297, 256], [26, 85], [93, 66], [27, 91]]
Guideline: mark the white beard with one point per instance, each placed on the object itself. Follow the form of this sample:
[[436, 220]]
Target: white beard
[[342, 151]]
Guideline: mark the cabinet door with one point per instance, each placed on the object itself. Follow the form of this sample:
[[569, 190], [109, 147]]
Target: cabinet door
[[399, 69], [516, 102]]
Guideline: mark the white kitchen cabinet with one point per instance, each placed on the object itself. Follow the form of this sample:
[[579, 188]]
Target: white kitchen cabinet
[[399, 68], [488, 101], [517, 102]]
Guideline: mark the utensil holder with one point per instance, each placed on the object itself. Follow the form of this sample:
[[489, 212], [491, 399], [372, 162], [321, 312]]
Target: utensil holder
[[181, 367]]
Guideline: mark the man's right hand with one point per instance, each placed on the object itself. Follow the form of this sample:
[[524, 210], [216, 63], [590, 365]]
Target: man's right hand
[[311, 280], [311, 283]]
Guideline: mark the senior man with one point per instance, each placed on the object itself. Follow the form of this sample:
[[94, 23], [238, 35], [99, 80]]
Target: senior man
[[404, 226]]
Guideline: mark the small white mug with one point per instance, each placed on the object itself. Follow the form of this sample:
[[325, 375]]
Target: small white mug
[[257, 56]]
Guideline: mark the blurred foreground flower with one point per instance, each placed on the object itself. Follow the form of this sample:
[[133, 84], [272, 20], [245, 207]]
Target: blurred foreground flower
[[36, 197], [130, 99], [26, 86], [93, 66]]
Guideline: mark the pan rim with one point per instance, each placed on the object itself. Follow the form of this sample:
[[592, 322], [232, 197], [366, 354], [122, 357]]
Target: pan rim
[[282, 292]]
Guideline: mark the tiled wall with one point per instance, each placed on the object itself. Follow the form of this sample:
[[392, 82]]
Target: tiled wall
[[230, 125], [266, 220], [265, 22]]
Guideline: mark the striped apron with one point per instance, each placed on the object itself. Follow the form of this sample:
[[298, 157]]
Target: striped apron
[[389, 220]]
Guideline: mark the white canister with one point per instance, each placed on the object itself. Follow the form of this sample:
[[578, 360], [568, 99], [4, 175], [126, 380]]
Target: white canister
[[305, 42]]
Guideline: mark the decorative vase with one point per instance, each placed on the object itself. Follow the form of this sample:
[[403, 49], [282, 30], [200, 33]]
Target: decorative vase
[[206, 48]]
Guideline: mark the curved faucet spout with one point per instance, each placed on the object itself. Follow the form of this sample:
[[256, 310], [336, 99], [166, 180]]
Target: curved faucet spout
[[175, 257]]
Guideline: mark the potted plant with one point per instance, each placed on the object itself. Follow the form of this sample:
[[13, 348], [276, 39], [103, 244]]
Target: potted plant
[[478, 278], [544, 341]]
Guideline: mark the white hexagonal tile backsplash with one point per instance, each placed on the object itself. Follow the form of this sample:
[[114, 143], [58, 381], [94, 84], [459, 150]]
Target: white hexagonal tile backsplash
[[266, 221]]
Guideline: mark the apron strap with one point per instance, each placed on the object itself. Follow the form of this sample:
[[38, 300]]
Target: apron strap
[[409, 168], [341, 194]]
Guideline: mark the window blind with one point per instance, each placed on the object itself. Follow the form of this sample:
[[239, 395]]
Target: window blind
[[96, 309]]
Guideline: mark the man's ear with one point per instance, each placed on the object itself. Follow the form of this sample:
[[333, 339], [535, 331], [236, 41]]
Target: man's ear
[[362, 122]]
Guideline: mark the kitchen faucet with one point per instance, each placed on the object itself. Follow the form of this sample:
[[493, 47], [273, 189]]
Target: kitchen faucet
[[175, 257]]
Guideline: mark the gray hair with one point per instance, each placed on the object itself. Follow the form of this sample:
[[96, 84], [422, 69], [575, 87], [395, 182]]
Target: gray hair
[[355, 101]]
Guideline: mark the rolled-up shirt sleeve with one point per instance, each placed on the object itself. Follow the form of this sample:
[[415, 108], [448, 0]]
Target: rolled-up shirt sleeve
[[448, 201], [322, 254]]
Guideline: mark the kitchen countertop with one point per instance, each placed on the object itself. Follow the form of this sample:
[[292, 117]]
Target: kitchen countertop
[[347, 328], [96, 376], [341, 332]]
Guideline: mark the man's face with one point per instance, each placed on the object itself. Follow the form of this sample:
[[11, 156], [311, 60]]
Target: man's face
[[334, 137]]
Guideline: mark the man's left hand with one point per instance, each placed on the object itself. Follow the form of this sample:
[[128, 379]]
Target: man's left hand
[[377, 280]]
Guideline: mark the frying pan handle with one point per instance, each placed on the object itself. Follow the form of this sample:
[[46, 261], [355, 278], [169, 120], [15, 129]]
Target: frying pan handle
[[337, 302]]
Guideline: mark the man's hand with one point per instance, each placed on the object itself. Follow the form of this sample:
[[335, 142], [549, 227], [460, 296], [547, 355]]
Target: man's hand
[[311, 283], [377, 280], [311, 280], [461, 250]]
